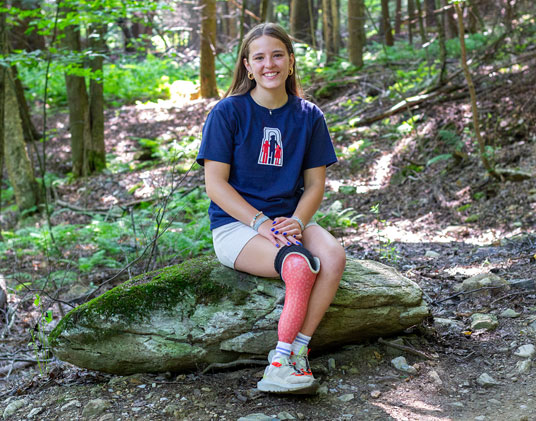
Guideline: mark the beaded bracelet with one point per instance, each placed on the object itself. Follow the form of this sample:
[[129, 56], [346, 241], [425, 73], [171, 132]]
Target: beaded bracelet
[[252, 223], [299, 222], [259, 222]]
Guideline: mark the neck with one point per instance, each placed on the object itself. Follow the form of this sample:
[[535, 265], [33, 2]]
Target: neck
[[270, 100]]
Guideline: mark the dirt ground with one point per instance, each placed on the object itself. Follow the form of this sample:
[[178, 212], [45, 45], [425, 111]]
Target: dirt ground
[[423, 228]]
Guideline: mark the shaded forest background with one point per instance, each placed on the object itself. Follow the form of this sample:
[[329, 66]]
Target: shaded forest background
[[430, 104]]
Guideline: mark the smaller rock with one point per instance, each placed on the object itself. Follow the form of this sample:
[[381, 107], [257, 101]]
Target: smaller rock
[[284, 415], [69, 405], [484, 321], [323, 389], [13, 407], [34, 412], [524, 366], [401, 364], [331, 364], [256, 417], [480, 418], [525, 351], [375, 394], [485, 380], [509, 314], [484, 280], [347, 397], [107, 417], [432, 254], [435, 378], [494, 401], [94, 408], [170, 409]]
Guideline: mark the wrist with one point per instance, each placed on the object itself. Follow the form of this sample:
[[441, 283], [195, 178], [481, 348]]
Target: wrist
[[299, 221], [259, 221], [254, 219]]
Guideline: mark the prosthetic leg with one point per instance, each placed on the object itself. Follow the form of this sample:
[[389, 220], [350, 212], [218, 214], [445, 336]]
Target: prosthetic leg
[[298, 268]]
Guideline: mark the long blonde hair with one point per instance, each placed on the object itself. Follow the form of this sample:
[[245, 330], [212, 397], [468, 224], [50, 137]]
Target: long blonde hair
[[241, 83]]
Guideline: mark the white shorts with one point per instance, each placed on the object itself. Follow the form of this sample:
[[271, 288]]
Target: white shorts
[[230, 239]]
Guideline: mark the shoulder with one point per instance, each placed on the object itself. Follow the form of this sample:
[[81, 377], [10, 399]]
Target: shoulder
[[230, 103], [307, 107]]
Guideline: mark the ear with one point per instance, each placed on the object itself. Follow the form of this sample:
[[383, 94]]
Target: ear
[[246, 65], [291, 60]]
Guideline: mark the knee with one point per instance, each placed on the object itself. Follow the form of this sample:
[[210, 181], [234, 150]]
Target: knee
[[333, 261]]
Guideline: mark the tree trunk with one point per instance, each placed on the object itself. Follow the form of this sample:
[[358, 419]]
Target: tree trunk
[[3, 50], [356, 31], [328, 30], [264, 10], [18, 164], [449, 23], [386, 23], [20, 38], [474, 19], [232, 20], [442, 50], [79, 120], [509, 13], [335, 16], [209, 89], [398, 17], [472, 93], [300, 22], [411, 17], [28, 128], [430, 7], [420, 19], [96, 151]]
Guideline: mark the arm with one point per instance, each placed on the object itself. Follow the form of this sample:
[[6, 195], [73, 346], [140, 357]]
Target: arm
[[314, 183], [226, 197]]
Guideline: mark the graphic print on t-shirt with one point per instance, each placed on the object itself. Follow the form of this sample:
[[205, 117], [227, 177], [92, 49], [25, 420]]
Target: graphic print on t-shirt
[[271, 148]]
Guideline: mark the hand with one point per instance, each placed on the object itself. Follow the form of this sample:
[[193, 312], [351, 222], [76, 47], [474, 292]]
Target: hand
[[282, 238], [289, 228]]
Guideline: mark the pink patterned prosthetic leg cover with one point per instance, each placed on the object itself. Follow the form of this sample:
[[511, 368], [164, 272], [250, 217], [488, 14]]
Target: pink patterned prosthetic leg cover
[[298, 268]]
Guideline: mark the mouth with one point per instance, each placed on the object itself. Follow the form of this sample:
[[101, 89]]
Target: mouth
[[271, 74]]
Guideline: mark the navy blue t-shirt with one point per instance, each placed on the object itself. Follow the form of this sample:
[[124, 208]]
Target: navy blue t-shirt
[[268, 151]]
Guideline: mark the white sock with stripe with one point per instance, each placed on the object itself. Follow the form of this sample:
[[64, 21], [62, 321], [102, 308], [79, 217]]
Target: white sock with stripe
[[300, 341], [282, 349]]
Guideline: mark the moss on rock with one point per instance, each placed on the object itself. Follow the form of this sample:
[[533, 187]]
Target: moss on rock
[[162, 289]]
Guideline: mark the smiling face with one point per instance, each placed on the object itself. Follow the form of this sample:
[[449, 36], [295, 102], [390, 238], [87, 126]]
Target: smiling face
[[270, 63]]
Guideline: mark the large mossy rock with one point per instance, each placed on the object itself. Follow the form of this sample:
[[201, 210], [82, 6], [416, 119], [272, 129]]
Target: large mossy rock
[[184, 317]]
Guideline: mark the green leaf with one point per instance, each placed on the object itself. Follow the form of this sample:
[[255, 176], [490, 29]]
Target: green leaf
[[37, 300], [442, 157]]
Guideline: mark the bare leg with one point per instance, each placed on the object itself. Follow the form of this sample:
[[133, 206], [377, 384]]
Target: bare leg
[[257, 258], [332, 262]]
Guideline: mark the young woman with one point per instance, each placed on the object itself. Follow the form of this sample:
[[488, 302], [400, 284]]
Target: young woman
[[265, 151]]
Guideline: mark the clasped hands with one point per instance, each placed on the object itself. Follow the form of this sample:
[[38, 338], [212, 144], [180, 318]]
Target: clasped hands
[[282, 231]]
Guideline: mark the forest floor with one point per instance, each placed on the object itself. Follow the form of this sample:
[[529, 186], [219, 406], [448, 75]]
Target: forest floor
[[424, 228]]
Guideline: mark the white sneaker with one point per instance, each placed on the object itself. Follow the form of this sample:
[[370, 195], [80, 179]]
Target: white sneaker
[[301, 361], [281, 376]]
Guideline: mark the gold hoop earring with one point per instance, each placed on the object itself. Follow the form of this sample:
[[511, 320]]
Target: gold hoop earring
[[291, 70], [250, 76]]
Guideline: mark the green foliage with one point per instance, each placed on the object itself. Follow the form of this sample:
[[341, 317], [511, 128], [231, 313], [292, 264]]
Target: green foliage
[[109, 243], [337, 217], [125, 81], [387, 250], [38, 335]]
